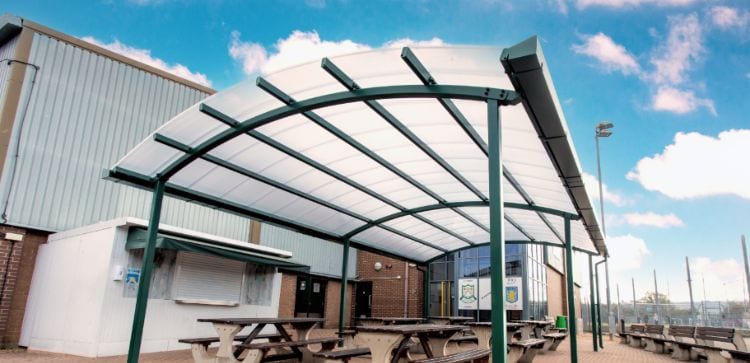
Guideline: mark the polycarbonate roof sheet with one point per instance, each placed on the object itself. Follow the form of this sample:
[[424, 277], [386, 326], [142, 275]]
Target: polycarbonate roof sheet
[[307, 158]]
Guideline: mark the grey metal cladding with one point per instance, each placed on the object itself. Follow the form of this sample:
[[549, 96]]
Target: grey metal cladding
[[85, 111], [323, 257]]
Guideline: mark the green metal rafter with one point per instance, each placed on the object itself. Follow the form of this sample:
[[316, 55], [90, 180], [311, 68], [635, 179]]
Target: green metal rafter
[[427, 79]]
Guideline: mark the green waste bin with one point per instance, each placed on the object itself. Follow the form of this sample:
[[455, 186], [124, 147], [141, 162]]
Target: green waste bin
[[561, 322]]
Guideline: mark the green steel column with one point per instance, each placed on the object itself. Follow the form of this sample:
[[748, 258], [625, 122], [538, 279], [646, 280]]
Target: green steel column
[[426, 292], [591, 302], [571, 293], [144, 284], [599, 306], [342, 302], [497, 240]]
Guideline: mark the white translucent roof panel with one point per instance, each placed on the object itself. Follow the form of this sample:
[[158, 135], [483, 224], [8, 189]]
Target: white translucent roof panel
[[388, 241], [338, 168]]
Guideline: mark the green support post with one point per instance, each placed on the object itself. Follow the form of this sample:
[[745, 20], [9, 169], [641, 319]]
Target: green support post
[[591, 302], [599, 307], [342, 302], [426, 292], [144, 283], [497, 240], [571, 292]]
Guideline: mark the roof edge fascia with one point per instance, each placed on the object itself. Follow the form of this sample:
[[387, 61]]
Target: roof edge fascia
[[527, 69]]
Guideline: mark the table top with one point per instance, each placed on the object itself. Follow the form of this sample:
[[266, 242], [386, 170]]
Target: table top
[[488, 323], [250, 321], [390, 319], [454, 318], [410, 329], [536, 322]]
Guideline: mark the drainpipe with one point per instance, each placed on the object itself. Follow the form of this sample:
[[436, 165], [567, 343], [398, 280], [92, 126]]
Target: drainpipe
[[406, 289]]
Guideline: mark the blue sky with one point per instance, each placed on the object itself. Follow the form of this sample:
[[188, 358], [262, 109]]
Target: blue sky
[[672, 75]]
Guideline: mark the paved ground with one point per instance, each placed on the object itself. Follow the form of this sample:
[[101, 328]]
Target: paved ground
[[613, 353]]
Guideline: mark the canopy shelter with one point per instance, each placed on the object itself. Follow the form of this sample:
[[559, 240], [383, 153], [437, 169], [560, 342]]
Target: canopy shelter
[[412, 153]]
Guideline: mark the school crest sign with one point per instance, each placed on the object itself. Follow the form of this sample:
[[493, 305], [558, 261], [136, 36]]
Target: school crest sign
[[467, 296]]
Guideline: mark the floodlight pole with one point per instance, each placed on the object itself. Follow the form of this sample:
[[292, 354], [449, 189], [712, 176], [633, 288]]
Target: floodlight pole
[[635, 307], [497, 239], [690, 289], [342, 302], [144, 283], [747, 270], [603, 130]]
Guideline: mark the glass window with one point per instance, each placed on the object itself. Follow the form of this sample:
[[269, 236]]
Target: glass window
[[484, 267], [467, 267], [469, 253], [484, 251], [437, 271]]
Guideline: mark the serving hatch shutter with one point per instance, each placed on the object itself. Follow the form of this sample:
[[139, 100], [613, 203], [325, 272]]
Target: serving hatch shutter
[[203, 277]]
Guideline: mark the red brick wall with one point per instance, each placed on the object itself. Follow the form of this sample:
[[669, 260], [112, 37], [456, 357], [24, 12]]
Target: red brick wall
[[555, 293], [333, 296], [288, 295], [19, 269], [388, 285]]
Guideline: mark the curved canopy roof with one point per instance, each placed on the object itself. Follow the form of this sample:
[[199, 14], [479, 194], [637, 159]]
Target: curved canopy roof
[[387, 148]]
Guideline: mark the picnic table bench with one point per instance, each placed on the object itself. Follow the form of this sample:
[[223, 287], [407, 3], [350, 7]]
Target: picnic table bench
[[263, 349], [523, 350], [653, 332], [474, 355], [450, 320], [553, 340], [634, 334], [227, 329], [343, 355], [382, 339]]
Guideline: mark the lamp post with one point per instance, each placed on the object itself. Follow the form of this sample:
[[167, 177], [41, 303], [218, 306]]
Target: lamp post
[[603, 129]]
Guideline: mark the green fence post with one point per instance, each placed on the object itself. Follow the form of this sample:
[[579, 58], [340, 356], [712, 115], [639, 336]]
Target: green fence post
[[571, 293], [144, 283]]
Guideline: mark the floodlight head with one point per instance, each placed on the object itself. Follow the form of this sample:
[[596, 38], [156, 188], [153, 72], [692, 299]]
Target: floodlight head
[[603, 133], [604, 125]]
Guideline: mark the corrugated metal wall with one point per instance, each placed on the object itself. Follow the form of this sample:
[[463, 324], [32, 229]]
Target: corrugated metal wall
[[85, 112], [7, 51], [323, 257]]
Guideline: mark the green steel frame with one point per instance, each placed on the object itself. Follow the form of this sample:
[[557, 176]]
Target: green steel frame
[[598, 304], [591, 303], [444, 94]]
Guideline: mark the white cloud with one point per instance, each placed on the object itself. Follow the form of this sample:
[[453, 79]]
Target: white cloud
[[252, 55], [592, 187], [408, 42], [679, 53], [144, 56], [697, 165], [672, 61], [723, 278], [581, 4], [612, 56], [676, 101], [725, 17], [653, 219], [300, 47], [626, 252]]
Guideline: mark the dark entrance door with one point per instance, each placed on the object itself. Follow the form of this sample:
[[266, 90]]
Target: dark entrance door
[[363, 307], [311, 297]]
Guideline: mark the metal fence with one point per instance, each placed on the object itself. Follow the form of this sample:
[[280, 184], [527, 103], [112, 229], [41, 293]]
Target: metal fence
[[725, 314]]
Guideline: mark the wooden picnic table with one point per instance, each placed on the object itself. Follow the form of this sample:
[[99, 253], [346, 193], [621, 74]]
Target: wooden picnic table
[[483, 331], [537, 326], [450, 320], [382, 339], [227, 329], [389, 321]]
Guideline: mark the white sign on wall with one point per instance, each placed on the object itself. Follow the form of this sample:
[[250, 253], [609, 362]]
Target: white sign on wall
[[513, 294], [467, 294]]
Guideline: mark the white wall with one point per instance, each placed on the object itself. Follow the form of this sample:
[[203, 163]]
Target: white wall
[[76, 307]]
